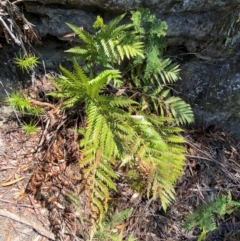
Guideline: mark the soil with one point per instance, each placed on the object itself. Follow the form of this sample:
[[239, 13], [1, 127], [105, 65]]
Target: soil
[[34, 200], [20, 215]]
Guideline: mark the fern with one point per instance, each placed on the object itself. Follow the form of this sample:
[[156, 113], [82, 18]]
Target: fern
[[99, 177], [110, 44], [106, 132], [204, 215], [162, 157], [119, 131], [104, 231], [161, 102], [151, 31], [155, 72], [111, 132]]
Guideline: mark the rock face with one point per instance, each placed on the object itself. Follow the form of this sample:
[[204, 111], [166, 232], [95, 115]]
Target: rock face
[[213, 89], [202, 34], [161, 5]]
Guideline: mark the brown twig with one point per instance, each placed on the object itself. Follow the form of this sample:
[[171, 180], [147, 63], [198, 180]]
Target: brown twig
[[10, 32], [41, 230], [44, 104]]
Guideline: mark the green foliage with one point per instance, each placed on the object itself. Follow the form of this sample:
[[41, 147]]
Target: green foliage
[[110, 44], [112, 132], [204, 215], [151, 32], [138, 128], [107, 128], [105, 231], [155, 72], [29, 128], [26, 63], [21, 103]]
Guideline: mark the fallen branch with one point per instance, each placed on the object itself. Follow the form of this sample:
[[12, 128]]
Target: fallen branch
[[41, 230], [18, 42]]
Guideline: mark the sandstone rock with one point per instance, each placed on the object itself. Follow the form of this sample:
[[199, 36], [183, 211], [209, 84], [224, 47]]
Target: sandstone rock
[[52, 20], [213, 90], [209, 32]]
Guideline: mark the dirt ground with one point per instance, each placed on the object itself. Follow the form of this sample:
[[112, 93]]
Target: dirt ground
[[22, 218], [33, 208]]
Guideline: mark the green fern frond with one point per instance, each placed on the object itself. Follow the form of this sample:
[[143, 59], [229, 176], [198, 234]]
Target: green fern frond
[[131, 51], [112, 30], [110, 44], [162, 185], [116, 101], [76, 86], [82, 34], [168, 71], [175, 139], [99, 128], [78, 51], [99, 177], [162, 103], [69, 88], [120, 29], [106, 178], [103, 79], [119, 217], [104, 231], [181, 111], [162, 157], [204, 215]]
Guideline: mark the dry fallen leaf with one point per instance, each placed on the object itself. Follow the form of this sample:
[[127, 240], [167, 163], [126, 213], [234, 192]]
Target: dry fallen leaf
[[134, 197], [5, 184]]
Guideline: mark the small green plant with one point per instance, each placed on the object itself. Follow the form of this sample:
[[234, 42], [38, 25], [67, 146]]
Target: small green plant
[[21, 103], [20, 100], [29, 128], [27, 63], [151, 31], [109, 229], [204, 216], [106, 230], [229, 51]]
